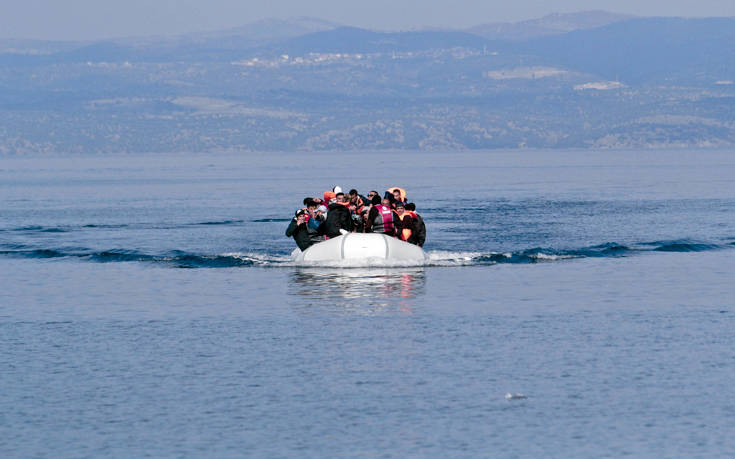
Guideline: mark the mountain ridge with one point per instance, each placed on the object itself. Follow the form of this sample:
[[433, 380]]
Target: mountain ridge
[[637, 83], [552, 24]]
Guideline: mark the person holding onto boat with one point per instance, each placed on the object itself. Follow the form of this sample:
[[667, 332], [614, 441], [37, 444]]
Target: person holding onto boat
[[298, 230]]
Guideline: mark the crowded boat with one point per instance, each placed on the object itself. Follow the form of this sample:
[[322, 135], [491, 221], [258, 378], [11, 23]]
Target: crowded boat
[[336, 213]]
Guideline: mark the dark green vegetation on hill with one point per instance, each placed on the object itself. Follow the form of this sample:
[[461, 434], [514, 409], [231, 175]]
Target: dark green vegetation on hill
[[643, 82]]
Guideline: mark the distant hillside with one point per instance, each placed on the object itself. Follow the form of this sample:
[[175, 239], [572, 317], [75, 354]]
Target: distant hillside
[[355, 40], [553, 24], [222, 45], [634, 51], [24, 47], [274, 29], [247, 36], [308, 85], [646, 50]]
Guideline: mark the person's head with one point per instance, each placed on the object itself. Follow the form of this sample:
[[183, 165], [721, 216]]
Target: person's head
[[353, 193], [307, 200], [300, 215], [340, 197], [375, 200], [397, 194], [386, 202], [320, 213], [400, 208], [411, 207], [371, 194], [311, 207]]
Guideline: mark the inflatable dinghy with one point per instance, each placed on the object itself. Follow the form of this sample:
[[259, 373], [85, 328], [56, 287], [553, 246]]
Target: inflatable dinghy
[[363, 247]]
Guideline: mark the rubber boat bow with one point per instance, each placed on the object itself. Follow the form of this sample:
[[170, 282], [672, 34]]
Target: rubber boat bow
[[363, 246]]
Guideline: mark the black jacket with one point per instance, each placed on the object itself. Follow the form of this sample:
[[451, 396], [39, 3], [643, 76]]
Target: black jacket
[[299, 233], [338, 218], [420, 230]]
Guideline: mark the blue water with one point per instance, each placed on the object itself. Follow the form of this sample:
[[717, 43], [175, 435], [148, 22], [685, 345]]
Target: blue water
[[149, 306]]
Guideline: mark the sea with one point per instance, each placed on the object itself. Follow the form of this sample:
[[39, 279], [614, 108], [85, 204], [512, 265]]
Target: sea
[[572, 304]]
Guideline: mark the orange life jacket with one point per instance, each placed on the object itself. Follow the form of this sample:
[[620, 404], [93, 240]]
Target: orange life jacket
[[401, 190], [406, 233], [327, 196], [359, 205]]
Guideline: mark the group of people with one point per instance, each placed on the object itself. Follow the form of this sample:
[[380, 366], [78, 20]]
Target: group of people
[[336, 213]]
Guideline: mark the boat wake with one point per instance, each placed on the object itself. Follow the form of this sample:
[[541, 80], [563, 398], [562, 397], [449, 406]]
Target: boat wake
[[438, 258]]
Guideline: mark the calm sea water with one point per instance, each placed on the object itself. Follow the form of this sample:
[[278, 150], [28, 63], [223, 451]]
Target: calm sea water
[[148, 306]]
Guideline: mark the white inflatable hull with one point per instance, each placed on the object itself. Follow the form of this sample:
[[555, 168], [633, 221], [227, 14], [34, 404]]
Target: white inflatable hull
[[363, 247]]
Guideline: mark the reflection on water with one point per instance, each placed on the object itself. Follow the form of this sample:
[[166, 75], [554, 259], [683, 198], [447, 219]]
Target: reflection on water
[[363, 289]]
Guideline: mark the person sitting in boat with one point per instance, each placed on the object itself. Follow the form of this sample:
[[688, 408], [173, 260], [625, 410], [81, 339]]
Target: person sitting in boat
[[358, 223], [391, 199], [357, 199], [297, 229], [338, 217], [420, 225], [320, 215], [373, 201], [406, 226], [328, 196], [380, 218], [399, 195], [315, 217]]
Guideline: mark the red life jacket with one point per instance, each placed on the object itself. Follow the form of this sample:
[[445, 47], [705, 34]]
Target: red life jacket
[[384, 221]]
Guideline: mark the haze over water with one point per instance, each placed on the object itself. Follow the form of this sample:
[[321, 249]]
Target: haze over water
[[148, 305]]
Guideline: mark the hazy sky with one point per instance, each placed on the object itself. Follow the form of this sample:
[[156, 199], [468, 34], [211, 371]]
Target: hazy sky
[[91, 19]]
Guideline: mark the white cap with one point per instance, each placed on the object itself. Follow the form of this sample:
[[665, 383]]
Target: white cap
[[337, 189]]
